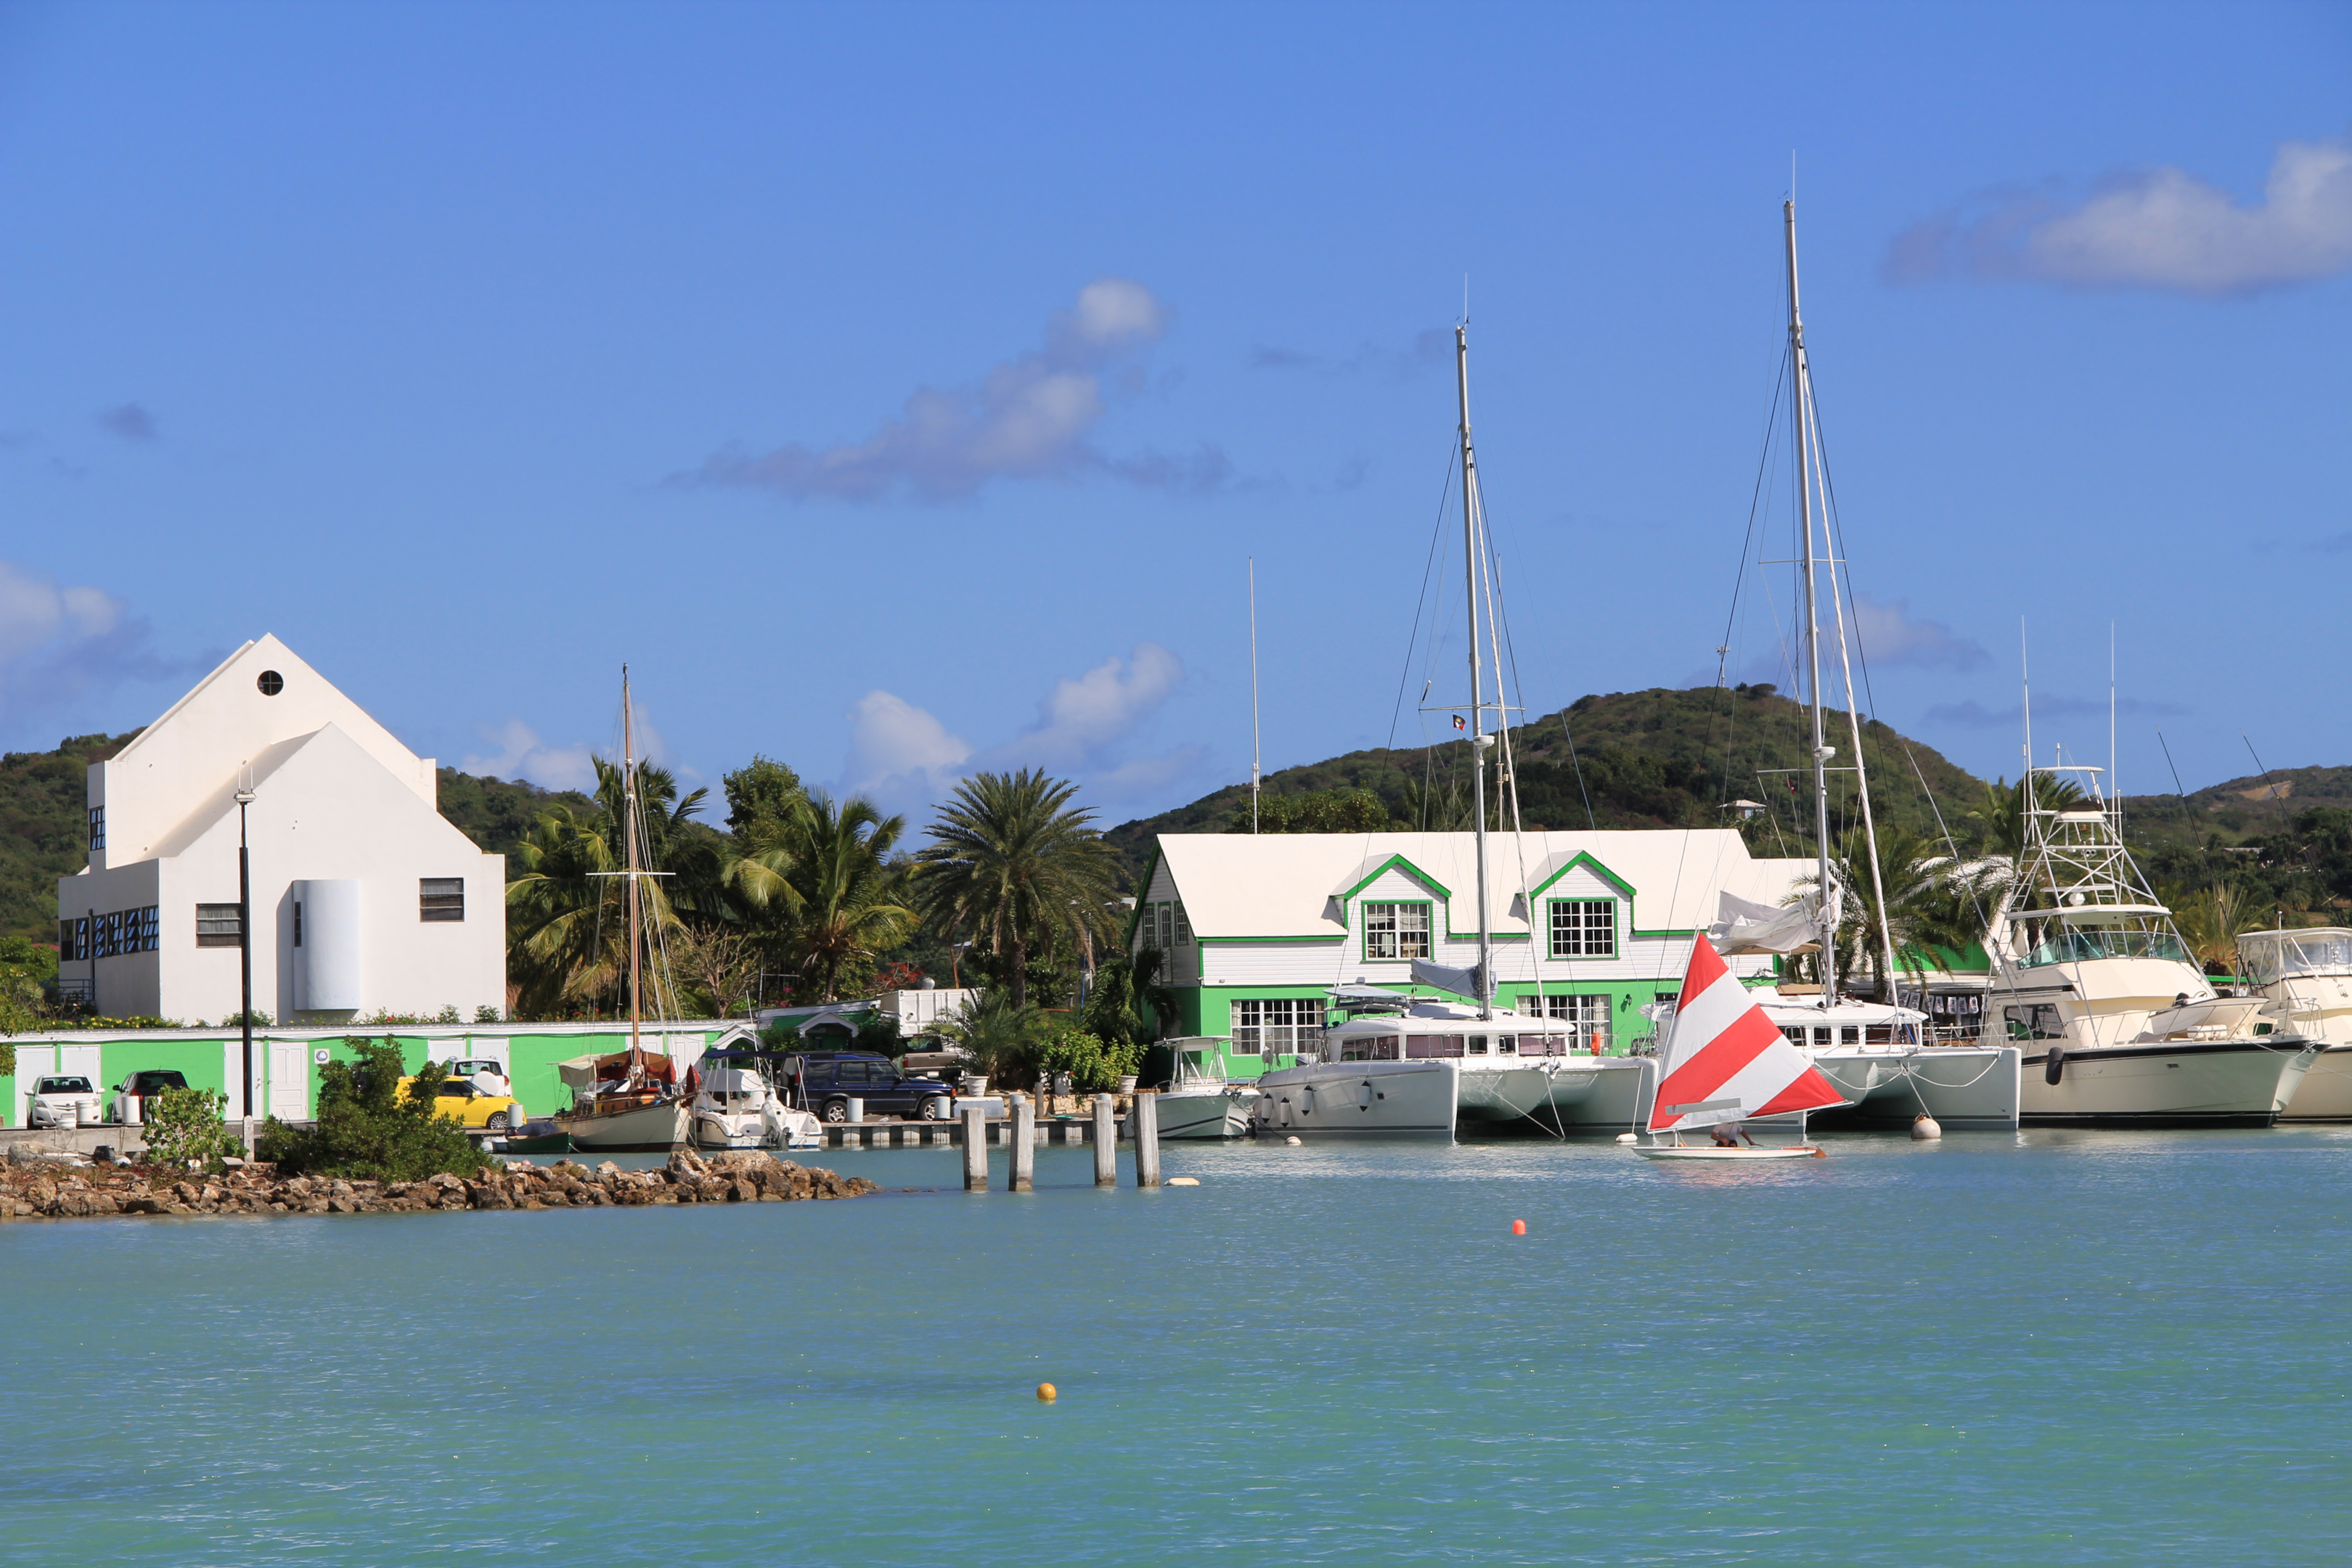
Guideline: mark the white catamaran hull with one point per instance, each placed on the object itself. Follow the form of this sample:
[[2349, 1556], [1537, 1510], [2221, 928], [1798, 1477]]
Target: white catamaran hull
[[2242, 1082], [1963, 1088], [646, 1130], [1568, 1094], [1204, 1112], [1352, 1098]]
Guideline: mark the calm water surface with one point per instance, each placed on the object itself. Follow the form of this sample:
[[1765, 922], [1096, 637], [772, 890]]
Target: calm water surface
[[2062, 1348]]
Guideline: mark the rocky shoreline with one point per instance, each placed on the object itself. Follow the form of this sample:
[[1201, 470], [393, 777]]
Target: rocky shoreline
[[53, 1189]]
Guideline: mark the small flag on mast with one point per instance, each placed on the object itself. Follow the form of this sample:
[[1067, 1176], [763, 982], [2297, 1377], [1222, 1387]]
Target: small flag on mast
[[1460, 722]]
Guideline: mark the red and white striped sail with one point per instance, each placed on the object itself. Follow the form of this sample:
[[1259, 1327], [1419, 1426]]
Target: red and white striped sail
[[1724, 1061]]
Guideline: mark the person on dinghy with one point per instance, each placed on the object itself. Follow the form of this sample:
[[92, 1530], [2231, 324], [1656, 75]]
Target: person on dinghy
[[1727, 1134]]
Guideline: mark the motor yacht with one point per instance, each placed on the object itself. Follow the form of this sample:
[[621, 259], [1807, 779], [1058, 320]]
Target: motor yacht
[[1200, 1101], [737, 1108], [2304, 978], [2094, 985]]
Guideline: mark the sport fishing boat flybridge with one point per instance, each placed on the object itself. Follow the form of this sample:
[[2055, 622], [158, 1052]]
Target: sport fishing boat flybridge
[[2094, 982], [635, 1101], [2305, 977], [1880, 1056], [1726, 1063], [1405, 1064]]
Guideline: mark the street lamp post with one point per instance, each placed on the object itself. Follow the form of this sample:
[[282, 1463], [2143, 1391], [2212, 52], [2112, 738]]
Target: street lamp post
[[245, 940]]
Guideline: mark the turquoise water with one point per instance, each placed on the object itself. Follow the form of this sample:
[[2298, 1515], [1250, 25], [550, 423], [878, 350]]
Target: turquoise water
[[2062, 1348]]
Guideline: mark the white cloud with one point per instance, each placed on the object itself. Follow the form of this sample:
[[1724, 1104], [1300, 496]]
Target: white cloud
[[1889, 634], [904, 759], [1079, 718], [523, 755], [2158, 229], [61, 644], [1028, 417]]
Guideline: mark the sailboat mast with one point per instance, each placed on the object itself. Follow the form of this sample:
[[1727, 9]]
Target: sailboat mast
[[629, 841], [1478, 741], [1797, 370]]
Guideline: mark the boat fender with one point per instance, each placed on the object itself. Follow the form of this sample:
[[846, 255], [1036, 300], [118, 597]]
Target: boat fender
[[2054, 1068], [1627, 1138], [1292, 1142], [1924, 1127]]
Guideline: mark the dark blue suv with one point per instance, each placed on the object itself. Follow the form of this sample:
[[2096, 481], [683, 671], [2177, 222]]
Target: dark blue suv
[[826, 1081]]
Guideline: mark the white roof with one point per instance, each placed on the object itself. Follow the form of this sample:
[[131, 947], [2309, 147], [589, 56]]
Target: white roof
[[1289, 884]]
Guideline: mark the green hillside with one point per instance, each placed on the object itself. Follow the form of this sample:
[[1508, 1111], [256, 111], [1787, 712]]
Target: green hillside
[[1661, 758], [44, 830]]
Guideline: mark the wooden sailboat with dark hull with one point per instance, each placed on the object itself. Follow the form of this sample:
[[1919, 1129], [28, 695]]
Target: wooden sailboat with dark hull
[[636, 1101]]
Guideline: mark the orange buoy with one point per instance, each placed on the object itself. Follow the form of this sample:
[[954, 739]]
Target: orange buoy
[[1047, 1392], [1519, 1227]]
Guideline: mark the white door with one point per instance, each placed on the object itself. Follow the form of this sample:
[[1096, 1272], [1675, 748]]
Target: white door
[[33, 1063], [290, 1079]]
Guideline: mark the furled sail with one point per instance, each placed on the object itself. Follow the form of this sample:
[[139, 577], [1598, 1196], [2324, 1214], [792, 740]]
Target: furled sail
[[1461, 982], [1724, 1061], [1743, 928]]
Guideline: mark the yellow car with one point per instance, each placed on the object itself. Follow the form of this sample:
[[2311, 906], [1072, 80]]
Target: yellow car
[[461, 1102]]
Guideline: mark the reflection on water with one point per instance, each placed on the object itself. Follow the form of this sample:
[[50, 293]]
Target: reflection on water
[[2053, 1347]]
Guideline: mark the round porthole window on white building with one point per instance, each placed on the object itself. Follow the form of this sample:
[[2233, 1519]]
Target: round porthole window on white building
[[271, 683]]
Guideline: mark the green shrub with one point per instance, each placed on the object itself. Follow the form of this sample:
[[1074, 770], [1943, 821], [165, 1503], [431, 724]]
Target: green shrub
[[367, 1128], [1093, 1065], [184, 1124], [880, 1035], [779, 1036]]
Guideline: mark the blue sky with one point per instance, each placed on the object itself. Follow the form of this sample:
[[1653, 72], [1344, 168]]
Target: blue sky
[[901, 389]]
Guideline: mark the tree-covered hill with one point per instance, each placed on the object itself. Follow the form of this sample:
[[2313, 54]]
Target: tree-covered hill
[[1659, 758]]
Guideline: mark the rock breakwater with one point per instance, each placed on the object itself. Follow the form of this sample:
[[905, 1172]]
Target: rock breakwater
[[48, 1189]]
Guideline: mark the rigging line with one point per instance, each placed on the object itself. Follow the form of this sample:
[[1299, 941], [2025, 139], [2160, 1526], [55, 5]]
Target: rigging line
[[2204, 844], [1428, 566], [1747, 542]]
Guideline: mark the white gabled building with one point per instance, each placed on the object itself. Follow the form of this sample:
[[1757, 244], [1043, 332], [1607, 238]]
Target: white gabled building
[[365, 899], [1258, 927]]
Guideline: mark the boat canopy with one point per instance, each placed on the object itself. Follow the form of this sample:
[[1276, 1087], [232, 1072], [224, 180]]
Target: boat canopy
[[2271, 955]]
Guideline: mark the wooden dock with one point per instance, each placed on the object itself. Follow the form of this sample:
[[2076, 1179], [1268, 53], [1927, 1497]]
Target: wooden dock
[[946, 1134]]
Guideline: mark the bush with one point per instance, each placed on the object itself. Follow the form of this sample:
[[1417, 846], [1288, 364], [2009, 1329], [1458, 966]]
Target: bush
[[367, 1128], [880, 1035], [781, 1037], [184, 1124], [1093, 1065]]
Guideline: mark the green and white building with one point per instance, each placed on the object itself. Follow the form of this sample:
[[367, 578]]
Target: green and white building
[[1589, 927]]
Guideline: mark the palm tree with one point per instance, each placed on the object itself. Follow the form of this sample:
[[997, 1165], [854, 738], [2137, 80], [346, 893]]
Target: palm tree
[[848, 898], [2210, 921], [1013, 863], [1002, 1035], [1927, 907], [567, 911]]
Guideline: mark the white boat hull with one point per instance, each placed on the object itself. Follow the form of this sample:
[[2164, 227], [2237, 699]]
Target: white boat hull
[[2244, 1082], [1567, 1094], [1963, 1088], [1714, 1151], [1351, 1098], [2326, 1093], [645, 1130], [1204, 1112]]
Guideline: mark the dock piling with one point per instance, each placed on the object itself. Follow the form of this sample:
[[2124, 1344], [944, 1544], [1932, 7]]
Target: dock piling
[[1147, 1138], [975, 1149], [1105, 1142], [1021, 1133]]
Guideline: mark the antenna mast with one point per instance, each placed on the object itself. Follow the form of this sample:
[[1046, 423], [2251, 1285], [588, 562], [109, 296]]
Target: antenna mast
[[1254, 738], [629, 837]]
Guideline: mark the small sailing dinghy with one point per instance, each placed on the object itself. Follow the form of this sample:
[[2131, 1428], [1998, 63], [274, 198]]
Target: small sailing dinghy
[[1725, 1062]]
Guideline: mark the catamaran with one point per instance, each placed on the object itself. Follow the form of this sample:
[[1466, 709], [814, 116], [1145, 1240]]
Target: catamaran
[[1725, 1063], [1402, 1064], [1880, 1055], [634, 1100]]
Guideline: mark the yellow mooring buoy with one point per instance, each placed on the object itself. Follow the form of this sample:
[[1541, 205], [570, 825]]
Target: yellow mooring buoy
[[1047, 1392]]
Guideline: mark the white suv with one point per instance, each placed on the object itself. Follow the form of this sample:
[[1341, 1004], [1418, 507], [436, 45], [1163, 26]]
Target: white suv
[[64, 1101]]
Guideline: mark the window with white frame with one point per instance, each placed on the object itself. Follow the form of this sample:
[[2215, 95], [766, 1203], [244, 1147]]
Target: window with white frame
[[1397, 931], [1584, 928], [1281, 1026], [1183, 926], [1589, 1014]]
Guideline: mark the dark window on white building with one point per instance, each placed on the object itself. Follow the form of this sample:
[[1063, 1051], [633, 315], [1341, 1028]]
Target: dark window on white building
[[1584, 928], [441, 899], [98, 827], [217, 926]]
